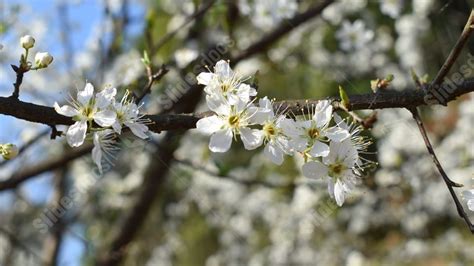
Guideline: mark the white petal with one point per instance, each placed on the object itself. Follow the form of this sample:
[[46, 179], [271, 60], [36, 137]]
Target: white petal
[[117, 127], [97, 152], [138, 129], [339, 193], [468, 194], [221, 141], [314, 170], [470, 205], [252, 138], [209, 125], [274, 153], [217, 104], [65, 110], [76, 133], [205, 78], [319, 149], [105, 118], [323, 114], [336, 134], [85, 95], [105, 97], [331, 188], [223, 70], [244, 92]]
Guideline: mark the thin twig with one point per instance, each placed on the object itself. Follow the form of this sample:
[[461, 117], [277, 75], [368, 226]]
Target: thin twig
[[152, 78], [26, 146], [453, 55], [449, 183], [20, 71]]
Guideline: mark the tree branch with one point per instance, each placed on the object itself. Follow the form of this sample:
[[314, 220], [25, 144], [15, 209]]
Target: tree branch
[[449, 183], [409, 98]]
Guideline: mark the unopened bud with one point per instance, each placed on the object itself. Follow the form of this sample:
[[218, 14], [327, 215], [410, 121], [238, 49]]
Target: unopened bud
[[9, 151], [43, 60], [27, 41]]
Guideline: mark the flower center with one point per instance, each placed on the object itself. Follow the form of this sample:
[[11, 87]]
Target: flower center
[[269, 130], [234, 120], [225, 87], [313, 133], [336, 169]]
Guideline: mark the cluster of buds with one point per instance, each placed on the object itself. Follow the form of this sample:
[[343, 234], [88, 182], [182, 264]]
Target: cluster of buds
[[8, 151], [42, 59]]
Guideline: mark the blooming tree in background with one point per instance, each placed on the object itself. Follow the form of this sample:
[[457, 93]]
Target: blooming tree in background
[[248, 132]]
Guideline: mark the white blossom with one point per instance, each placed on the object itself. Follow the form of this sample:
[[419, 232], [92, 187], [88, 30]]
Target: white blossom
[[310, 134], [469, 197], [128, 114], [225, 83], [85, 109], [354, 36], [338, 167], [43, 60], [104, 145], [392, 8], [276, 142], [228, 122], [27, 41]]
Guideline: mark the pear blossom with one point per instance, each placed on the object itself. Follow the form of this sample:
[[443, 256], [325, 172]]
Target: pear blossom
[[9, 151], [338, 167], [468, 195], [354, 36], [392, 8], [86, 109], [225, 83], [104, 146], [128, 115], [276, 142], [27, 41], [228, 122], [310, 134]]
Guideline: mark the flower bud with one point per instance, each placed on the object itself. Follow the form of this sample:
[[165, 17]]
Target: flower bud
[[27, 41], [9, 151], [43, 59]]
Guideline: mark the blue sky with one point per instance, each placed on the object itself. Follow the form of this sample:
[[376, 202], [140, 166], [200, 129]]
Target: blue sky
[[84, 16]]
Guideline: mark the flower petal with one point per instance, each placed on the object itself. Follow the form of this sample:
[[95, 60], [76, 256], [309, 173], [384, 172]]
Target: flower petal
[[252, 138], [105, 118], [314, 169], [319, 149], [105, 97], [76, 133], [323, 114], [339, 192], [209, 125], [138, 129], [336, 134], [223, 70], [221, 141], [205, 78], [85, 95], [274, 153], [65, 110]]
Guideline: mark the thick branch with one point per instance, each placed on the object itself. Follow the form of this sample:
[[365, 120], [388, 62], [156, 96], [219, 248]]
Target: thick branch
[[389, 99]]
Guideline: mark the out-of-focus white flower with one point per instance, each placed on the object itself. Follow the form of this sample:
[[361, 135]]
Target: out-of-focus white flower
[[308, 135], [85, 109], [43, 60], [125, 69], [27, 41], [469, 197], [266, 14], [128, 114], [104, 145], [392, 8], [354, 36], [230, 121], [224, 83], [9, 151], [276, 141], [338, 167], [185, 56]]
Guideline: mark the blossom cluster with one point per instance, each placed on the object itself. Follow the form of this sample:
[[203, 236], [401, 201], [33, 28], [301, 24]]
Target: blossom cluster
[[101, 117], [331, 148]]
